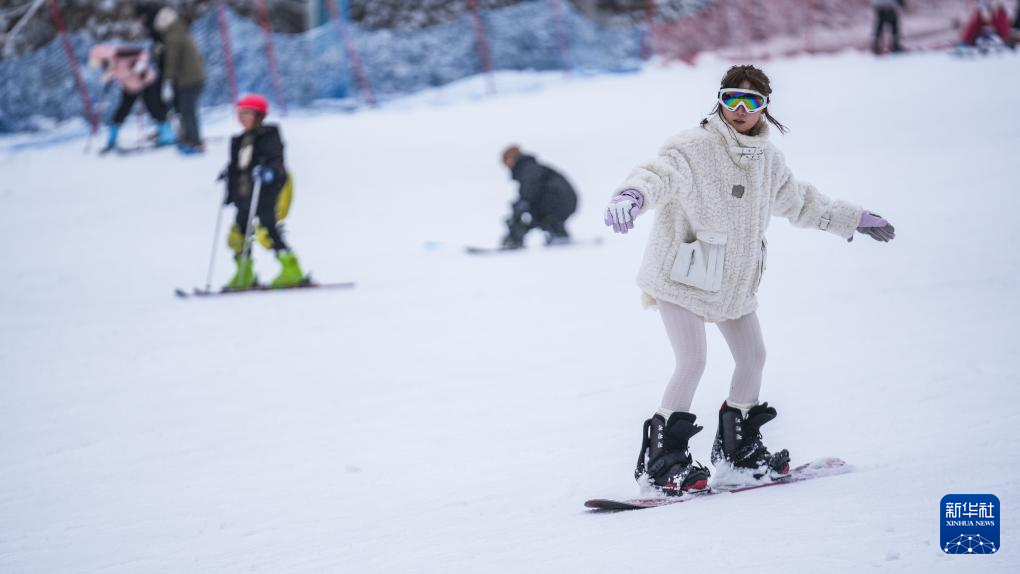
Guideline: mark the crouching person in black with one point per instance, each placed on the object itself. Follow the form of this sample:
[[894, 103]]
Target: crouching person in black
[[546, 200], [256, 159]]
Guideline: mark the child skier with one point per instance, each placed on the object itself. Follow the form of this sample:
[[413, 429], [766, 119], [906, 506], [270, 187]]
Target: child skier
[[713, 189], [129, 67], [546, 199], [257, 167]]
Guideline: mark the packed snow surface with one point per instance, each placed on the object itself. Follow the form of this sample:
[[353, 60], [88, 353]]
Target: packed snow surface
[[452, 413]]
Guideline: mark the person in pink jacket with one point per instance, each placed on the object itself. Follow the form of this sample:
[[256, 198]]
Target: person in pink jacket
[[713, 190], [129, 67]]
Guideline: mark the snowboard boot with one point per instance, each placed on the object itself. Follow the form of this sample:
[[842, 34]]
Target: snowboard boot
[[511, 242], [165, 135], [555, 232], [190, 149], [290, 272], [555, 239], [244, 278], [111, 139], [738, 442], [515, 232], [665, 463]]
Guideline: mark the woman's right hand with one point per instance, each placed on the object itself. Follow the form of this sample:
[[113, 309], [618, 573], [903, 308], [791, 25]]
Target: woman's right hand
[[622, 210]]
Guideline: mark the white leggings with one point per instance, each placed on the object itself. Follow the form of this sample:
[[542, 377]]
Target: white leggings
[[687, 334]]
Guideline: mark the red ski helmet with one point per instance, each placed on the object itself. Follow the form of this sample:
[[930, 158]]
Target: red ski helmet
[[255, 103]]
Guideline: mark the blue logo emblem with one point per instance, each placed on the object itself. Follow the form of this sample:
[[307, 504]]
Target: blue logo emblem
[[970, 523]]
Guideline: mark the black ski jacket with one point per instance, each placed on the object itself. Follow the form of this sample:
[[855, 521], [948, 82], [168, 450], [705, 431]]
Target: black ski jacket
[[544, 192], [267, 152]]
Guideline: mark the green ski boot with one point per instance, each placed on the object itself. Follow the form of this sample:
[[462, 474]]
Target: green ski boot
[[244, 278], [290, 274]]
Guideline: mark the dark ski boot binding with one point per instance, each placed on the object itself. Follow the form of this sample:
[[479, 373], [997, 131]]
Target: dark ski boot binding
[[665, 463], [738, 443]]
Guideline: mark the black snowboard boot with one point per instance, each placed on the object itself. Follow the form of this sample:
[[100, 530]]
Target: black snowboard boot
[[664, 461], [738, 441]]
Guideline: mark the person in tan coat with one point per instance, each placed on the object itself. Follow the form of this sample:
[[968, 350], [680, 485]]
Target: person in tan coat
[[184, 73], [714, 189]]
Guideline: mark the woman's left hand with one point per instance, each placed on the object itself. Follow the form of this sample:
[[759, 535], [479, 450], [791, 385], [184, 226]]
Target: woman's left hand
[[876, 227]]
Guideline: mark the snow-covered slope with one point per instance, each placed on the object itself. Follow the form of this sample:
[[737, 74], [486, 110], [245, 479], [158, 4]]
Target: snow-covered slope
[[452, 413]]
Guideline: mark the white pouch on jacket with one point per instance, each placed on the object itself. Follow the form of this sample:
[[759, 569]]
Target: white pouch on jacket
[[700, 262]]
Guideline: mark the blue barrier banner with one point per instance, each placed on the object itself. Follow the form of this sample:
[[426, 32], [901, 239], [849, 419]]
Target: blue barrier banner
[[38, 89]]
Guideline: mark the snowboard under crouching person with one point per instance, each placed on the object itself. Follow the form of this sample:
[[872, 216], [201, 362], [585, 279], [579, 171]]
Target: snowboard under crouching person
[[713, 189], [546, 200], [256, 159], [129, 67]]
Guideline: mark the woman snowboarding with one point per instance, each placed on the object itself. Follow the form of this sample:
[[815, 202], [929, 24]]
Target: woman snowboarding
[[713, 189]]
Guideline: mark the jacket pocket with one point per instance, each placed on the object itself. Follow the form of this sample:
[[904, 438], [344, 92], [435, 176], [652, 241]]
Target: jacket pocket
[[761, 264], [700, 262]]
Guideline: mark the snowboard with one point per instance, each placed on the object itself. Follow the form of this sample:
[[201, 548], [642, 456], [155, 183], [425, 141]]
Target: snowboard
[[147, 145], [196, 292], [820, 468], [474, 250]]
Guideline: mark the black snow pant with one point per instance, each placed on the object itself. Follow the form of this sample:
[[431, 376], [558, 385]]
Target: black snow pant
[[551, 215], [265, 215], [553, 224], [153, 103], [886, 17], [186, 103]]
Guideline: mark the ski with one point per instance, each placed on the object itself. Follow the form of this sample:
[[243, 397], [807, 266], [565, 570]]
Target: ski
[[820, 468], [131, 150], [474, 250], [148, 145], [196, 292], [974, 52]]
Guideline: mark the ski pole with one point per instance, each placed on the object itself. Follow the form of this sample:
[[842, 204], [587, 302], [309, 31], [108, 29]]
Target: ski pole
[[212, 258], [99, 107], [250, 229], [142, 140]]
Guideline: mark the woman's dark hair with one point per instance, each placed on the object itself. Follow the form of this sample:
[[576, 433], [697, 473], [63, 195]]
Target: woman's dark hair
[[736, 76]]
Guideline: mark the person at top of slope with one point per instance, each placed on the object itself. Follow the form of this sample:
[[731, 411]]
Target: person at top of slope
[[713, 189], [257, 168], [887, 15], [546, 199]]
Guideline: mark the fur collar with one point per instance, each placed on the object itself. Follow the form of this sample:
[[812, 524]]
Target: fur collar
[[742, 148]]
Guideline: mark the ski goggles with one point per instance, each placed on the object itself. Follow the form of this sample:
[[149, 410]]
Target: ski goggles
[[732, 98]]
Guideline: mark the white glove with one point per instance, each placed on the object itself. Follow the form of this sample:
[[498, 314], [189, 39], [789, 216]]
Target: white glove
[[622, 209]]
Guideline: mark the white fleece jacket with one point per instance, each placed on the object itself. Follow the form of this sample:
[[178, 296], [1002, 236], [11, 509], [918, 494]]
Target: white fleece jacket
[[714, 179]]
